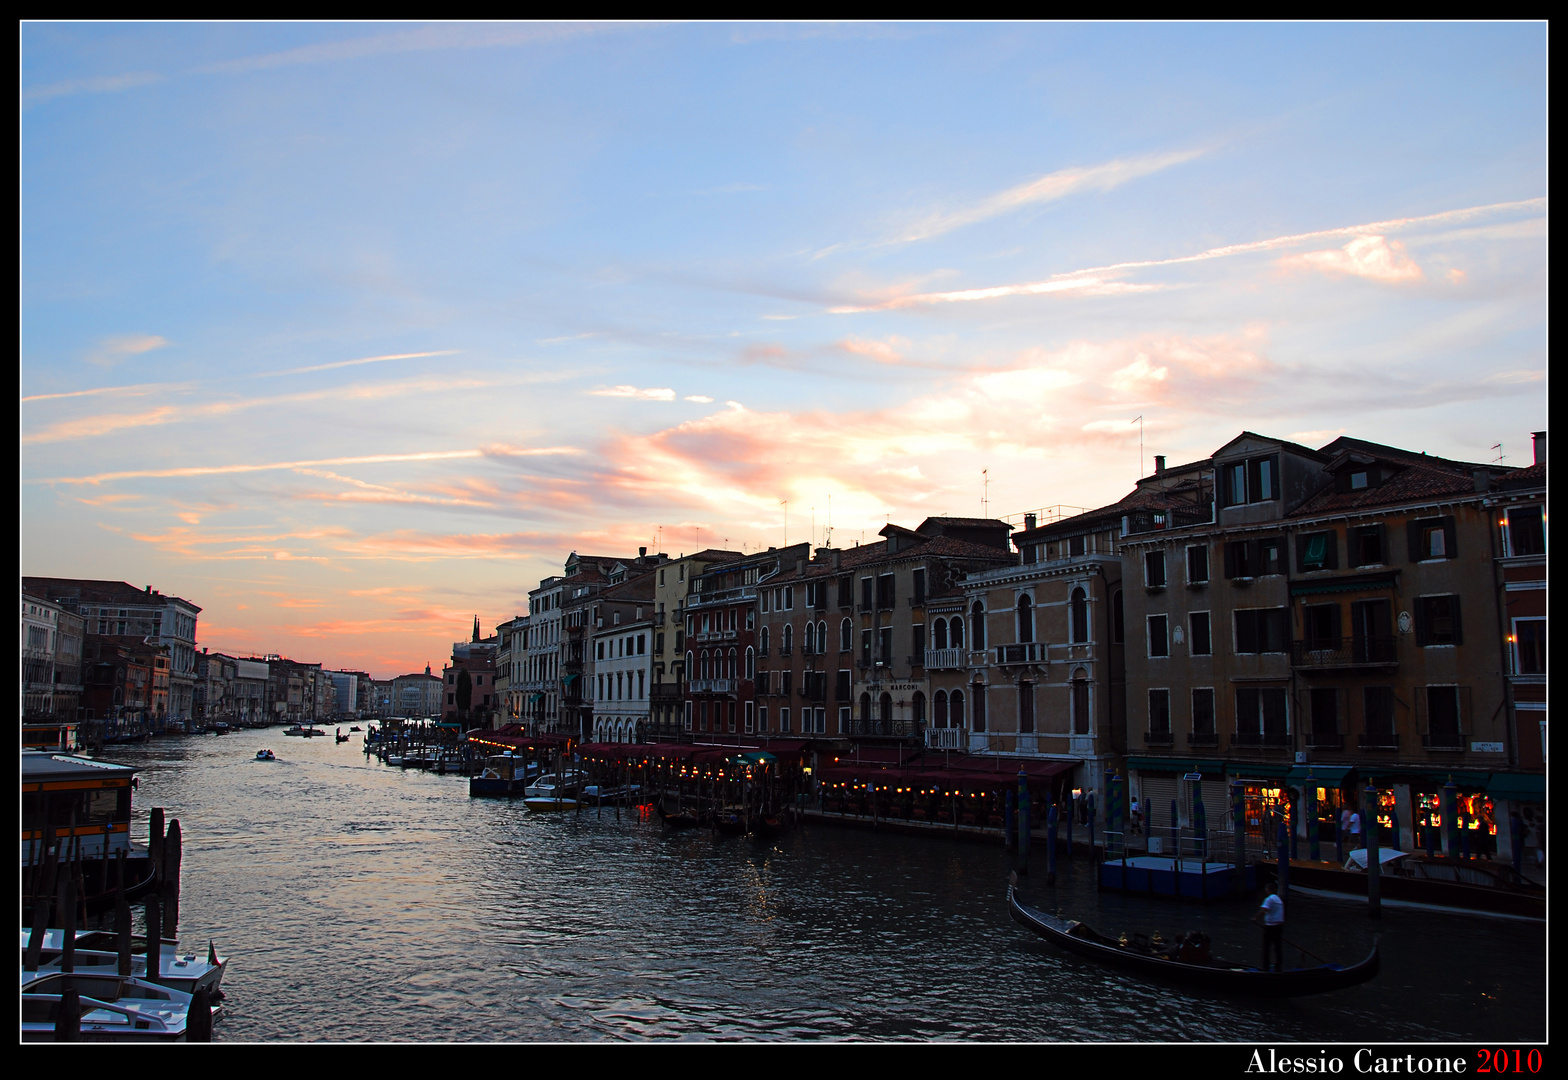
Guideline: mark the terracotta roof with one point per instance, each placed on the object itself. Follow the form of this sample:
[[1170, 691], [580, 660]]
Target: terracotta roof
[[1419, 479], [96, 592]]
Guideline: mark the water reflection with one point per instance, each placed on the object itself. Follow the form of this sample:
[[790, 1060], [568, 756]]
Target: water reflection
[[361, 902]]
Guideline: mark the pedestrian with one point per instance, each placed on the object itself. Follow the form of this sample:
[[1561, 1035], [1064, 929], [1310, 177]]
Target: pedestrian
[[1355, 830], [1271, 916], [1137, 817]]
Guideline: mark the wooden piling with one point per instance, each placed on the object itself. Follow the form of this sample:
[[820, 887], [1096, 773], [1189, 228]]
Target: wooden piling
[[122, 917], [154, 938], [155, 843], [172, 853], [68, 1021], [44, 896], [68, 924], [198, 1017]]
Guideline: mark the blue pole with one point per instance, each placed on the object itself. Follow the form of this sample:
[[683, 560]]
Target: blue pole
[[1451, 816], [1238, 812], [1024, 822], [1050, 843], [1009, 826], [1071, 811], [1314, 852], [1283, 840]]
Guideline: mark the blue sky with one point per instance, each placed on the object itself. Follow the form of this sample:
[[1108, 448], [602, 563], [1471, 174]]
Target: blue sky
[[348, 332]]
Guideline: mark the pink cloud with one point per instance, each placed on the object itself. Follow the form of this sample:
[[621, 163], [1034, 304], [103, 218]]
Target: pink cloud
[[1370, 257]]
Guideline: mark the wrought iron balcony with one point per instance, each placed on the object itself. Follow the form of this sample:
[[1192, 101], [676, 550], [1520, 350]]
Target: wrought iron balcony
[[1384, 741], [887, 729], [1444, 740], [1176, 517], [1203, 738], [1158, 738], [1326, 653], [721, 596], [1325, 740], [1261, 738]]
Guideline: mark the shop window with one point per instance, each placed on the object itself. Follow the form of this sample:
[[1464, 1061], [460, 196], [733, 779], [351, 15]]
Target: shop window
[[1437, 621], [1527, 531], [1262, 630], [1317, 551], [1200, 641]]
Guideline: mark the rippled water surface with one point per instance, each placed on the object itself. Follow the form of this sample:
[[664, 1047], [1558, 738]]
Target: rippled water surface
[[359, 902]]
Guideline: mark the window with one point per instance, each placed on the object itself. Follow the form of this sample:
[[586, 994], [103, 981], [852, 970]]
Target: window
[[1080, 706], [1442, 711], [1263, 630], [978, 692], [1078, 613], [1025, 619], [1317, 551], [957, 628], [956, 709], [1437, 621], [1077, 545], [751, 717], [939, 708], [1200, 641], [1526, 531], [1254, 558], [1529, 646], [977, 618], [762, 718], [1432, 538], [846, 636], [1159, 636], [1378, 702], [1154, 569], [885, 644], [1026, 708], [1320, 626], [1324, 702], [865, 648], [939, 634], [1159, 712], [764, 641], [920, 586], [1203, 713], [1198, 565], [1366, 545], [885, 591], [1358, 480], [1261, 711], [865, 594], [841, 689], [1250, 481], [784, 719], [1118, 623]]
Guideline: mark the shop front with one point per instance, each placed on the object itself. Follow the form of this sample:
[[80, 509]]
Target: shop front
[[1324, 791]]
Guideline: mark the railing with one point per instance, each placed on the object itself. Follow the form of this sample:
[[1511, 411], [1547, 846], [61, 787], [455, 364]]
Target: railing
[[1337, 652], [944, 659], [1203, 738], [1261, 738], [713, 686], [1176, 517], [1443, 740], [1028, 652], [946, 738], [721, 596], [890, 729], [1158, 738], [1325, 740], [1386, 741]]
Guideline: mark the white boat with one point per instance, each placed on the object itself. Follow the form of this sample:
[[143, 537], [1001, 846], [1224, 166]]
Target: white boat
[[554, 786], [115, 1008], [266, 755], [96, 954]]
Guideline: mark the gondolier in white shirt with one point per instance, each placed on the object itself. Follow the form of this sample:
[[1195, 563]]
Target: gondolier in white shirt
[[1271, 916]]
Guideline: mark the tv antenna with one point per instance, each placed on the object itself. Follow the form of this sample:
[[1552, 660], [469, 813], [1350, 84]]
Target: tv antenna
[[985, 493], [1139, 421], [1499, 458]]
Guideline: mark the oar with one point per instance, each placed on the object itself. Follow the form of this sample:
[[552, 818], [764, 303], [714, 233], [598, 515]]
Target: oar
[[1298, 948]]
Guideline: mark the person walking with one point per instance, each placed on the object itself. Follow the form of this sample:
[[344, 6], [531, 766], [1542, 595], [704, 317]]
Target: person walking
[[1271, 916]]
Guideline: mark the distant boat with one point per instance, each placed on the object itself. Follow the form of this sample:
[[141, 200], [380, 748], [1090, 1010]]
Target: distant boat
[[266, 755]]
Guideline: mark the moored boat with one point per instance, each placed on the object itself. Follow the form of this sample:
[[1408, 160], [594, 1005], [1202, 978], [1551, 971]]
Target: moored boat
[[681, 819], [1193, 968], [1473, 885], [98, 793], [503, 775], [114, 1008], [97, 953]]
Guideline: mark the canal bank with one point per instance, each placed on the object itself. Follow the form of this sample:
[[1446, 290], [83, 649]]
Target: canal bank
[[364, 902]]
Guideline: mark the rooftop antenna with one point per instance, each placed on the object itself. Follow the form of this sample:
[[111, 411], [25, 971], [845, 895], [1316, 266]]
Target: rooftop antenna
[[1139, 421], [785, 504], [827, 534], [1499, 449], [985, 493], [813, 542]]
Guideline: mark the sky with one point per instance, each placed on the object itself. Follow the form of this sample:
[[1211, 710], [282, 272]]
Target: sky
[[351, 332]]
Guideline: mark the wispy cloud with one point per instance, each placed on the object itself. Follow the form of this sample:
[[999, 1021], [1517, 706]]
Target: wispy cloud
[[353, 363], [138, 390], [113, 350], [1370, 257], [1048, 188], [701, 399], [423, 39], [1095, 281], [660, 394], [103, 84], [365, 459]]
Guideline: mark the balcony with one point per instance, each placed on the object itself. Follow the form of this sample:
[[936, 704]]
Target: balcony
[[1028, 652], [1203, 738], [721, 596], [1271, 739], [944, 659], [713, 686], [1176, 517], [886, 729], [1446, 741], [1325, 740], [1158, 738], [1384, 741], [946, 738], [1325, 654]]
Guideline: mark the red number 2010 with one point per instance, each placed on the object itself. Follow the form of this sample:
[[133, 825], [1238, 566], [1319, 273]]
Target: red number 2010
[[1497, 1061]]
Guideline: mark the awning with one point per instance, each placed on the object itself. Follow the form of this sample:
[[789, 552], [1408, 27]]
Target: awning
[[567, 681], [1177, 765], [1520, 787], [534, 697], [1249, 771], [1325, 775], [1350, 583]]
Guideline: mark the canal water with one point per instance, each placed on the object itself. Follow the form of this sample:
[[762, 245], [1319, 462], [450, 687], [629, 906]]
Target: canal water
[[359, 902]]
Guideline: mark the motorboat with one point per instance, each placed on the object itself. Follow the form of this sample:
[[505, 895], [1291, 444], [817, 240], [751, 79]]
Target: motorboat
[[97, 953], [115, 1008], [220, 728], [354, 728], [557, 785], [600, 794], [104, 831], [550, 802], [307, 732], [266, 755], [503, 774]]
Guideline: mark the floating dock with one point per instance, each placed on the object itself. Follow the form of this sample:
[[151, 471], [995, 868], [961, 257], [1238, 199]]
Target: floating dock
[[1190, 879]]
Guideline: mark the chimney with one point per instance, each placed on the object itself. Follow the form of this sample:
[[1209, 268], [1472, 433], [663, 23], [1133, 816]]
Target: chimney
[[1482, 478], [642, 553], [149, 588], [1029, 522], [837, 562], [1540, 447], [1159, 464], [800, 566]]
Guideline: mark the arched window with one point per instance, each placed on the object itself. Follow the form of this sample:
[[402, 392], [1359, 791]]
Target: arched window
[[956, 709], [939, 708], [885, 708], [958, 631], [822, 636], [808, 639], [730, 674], [846, 636], [707, 666], [865, 708], [1080, 616], [691, 667], [786, 639], [1025, 618], [917, 708], [939, 634], [751, 662], [977, 627], [764, 641]]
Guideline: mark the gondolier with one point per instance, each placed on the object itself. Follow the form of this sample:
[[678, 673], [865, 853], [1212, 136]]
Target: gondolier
[[1271, 916]]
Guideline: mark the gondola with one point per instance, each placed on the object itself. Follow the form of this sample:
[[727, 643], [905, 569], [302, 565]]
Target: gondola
[[1214, 974], [682, 819]]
